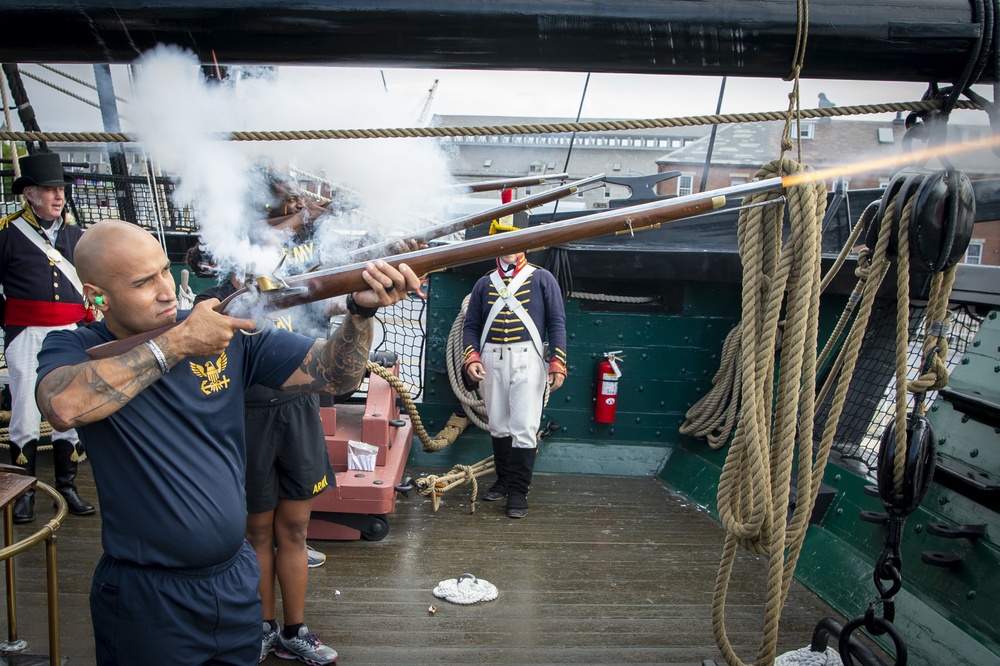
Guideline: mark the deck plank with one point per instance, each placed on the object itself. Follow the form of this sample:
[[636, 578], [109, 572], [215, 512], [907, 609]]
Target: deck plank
[[603, 570]]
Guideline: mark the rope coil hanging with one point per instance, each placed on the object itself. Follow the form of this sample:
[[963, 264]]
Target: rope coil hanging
[[754, 486]]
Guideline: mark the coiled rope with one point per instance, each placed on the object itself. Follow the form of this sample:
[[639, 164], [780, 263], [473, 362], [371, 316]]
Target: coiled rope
[[490, 130], [754, 486], [436, 485]]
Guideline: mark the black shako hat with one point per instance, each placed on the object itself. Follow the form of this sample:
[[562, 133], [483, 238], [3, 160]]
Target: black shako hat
[[43, 169]]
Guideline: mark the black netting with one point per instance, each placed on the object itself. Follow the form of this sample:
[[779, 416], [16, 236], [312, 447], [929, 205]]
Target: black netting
[[869, 405], [400, 330]]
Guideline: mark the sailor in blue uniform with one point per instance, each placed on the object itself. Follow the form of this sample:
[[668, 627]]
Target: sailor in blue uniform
[[163, 424], [43, 294], [509, 311]]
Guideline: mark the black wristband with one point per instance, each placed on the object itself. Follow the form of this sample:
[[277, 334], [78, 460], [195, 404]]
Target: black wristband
[[359, 310]]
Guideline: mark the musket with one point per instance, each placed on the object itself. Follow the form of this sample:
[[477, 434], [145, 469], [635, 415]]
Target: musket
[[506, 183], [327, 283], [444, 229]]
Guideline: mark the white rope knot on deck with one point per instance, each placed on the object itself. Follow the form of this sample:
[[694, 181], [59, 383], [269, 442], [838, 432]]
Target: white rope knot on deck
[[466, 589], [806, 657]]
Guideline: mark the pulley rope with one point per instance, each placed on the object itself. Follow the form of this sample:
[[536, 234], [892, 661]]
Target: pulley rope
[[490, 130]]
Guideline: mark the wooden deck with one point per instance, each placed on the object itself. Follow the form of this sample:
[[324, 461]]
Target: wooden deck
[[604, 570]]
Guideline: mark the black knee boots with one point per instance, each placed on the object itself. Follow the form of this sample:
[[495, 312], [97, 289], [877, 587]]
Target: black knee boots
[[65, 469], [24, 456], [521, 464], [501, 456]]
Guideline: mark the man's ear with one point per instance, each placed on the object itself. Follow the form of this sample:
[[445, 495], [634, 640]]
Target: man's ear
[[95, 296]]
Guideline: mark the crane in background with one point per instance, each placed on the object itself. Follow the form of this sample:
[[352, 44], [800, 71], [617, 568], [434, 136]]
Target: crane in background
[[422, 118]]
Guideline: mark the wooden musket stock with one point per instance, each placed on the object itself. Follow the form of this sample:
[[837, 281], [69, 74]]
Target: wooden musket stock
[[327, 283]]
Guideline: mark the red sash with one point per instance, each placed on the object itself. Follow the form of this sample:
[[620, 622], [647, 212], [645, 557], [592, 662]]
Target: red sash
[[22, 312]]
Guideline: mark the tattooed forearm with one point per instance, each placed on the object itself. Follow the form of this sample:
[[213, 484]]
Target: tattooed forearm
[[338, 364], [75, 395]]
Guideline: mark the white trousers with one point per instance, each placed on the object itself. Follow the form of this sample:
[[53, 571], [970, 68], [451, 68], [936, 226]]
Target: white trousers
[[513, 391], [22, 363]]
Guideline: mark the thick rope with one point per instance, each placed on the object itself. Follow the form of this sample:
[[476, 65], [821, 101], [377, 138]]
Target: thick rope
[[435, 486], [472, 404], [713, 416], [754, 485], [611, 298], [490, 130]]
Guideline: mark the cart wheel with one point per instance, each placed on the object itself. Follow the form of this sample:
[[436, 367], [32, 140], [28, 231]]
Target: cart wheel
[[377, 529]]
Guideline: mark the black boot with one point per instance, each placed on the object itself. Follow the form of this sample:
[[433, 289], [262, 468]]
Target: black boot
[[24, 456], [522, 463], [65, 468], [501, 456]]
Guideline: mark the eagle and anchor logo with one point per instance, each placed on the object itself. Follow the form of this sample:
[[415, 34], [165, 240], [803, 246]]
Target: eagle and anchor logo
[[213, 380]]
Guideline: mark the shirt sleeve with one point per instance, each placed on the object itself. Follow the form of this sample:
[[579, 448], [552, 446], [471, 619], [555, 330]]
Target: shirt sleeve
[[472, 330], [555, 323]]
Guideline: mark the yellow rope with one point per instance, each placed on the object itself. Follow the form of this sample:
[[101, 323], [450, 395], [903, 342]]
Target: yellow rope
[[754, 485], [434, 486], [455, 426], [490, 130]]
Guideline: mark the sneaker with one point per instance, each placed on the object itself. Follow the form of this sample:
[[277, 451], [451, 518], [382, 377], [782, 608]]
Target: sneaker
[[316, 558], [268, 641], [305, 647]]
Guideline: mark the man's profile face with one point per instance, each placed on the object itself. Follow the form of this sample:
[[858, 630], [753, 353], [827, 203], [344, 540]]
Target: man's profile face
[[139, 289], [47, 202]]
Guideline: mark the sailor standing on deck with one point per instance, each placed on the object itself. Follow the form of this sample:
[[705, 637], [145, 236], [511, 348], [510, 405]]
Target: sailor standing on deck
[[43, 293], [509, 311], [163, 423]]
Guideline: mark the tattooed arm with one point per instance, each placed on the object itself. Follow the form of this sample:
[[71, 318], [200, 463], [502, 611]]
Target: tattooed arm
[[74, 395], [337, 365]]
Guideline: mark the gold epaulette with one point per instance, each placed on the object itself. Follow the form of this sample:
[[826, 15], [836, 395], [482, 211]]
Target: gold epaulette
[[5, 222]]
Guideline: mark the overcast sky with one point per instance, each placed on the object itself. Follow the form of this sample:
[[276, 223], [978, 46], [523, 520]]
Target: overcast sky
[[462, 92]]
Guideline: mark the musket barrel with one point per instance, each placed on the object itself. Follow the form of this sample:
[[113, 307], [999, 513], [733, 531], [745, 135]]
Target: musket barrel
[[323, 284], [318, 285], [506, 183], [382, 249]]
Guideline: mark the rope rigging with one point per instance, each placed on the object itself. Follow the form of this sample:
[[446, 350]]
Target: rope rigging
[[490, 130]]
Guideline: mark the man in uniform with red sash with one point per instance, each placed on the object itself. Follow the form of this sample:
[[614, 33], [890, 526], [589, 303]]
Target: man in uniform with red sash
[[43, 293]]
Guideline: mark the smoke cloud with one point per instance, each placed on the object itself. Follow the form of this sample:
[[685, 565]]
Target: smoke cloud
[[181, 119]]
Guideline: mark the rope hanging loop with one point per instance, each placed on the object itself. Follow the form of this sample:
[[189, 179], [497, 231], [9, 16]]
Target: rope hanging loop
[[918, 467]]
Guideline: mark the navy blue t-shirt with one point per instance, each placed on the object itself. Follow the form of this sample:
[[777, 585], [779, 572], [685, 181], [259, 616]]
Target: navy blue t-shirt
[[170, 465]]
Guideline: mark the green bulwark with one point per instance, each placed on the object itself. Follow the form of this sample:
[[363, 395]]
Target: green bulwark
[[670, 352]]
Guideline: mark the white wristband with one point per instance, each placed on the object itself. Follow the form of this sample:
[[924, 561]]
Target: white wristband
[[161, 360]]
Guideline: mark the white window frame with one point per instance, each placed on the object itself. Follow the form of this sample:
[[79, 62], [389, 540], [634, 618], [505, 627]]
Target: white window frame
[[977, 256], [685, 185]]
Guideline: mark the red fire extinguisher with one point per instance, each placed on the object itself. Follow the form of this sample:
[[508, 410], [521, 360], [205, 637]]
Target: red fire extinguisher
[[607, 388]]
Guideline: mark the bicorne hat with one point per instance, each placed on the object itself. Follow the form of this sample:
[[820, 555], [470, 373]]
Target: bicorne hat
[[44, 169]]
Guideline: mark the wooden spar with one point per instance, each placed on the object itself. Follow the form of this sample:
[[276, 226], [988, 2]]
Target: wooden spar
[[376, 250], [323, 284], [931, 40]]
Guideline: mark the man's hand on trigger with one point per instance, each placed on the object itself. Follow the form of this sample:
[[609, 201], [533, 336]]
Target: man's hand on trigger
[[206, 332]]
